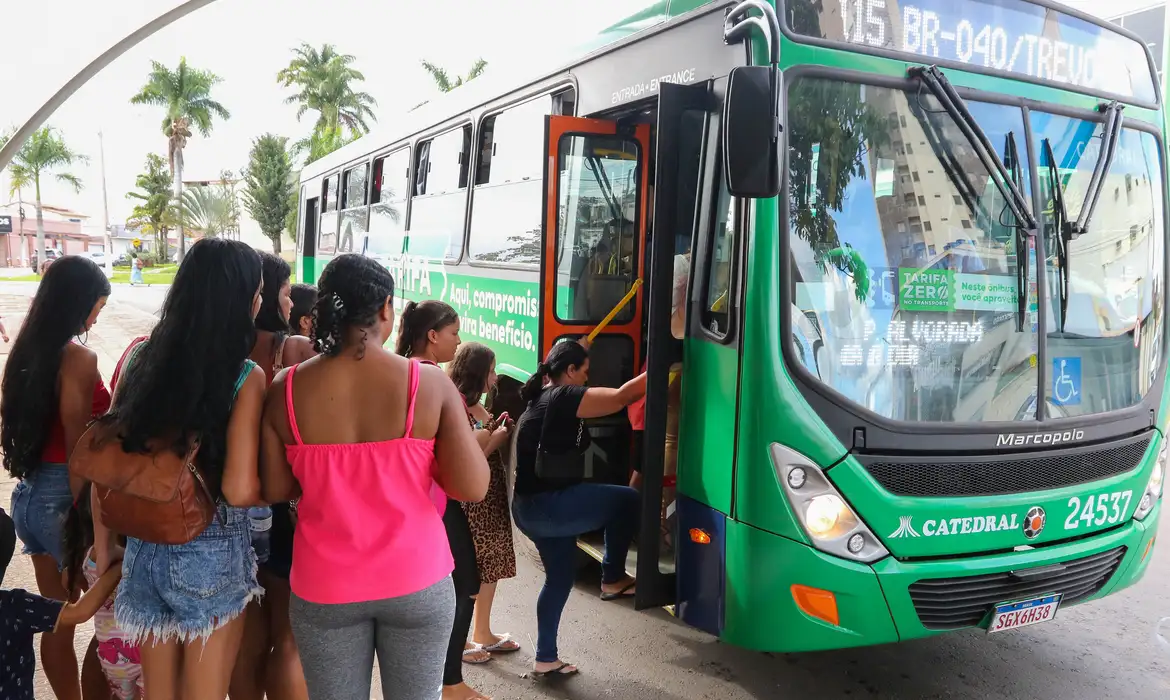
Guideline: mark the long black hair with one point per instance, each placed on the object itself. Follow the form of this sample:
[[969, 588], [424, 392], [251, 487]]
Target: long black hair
[[304, 298], [419, 319], [182, 381], [77, 538], [560, 359], [352, 290], [64, 300], [276, 273], [470, 369]]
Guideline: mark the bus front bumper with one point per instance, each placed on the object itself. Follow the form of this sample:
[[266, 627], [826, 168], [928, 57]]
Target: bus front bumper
[[873, 602]]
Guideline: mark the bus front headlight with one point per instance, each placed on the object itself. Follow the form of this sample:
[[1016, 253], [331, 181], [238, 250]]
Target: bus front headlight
[[1154, 486], [829, 522]]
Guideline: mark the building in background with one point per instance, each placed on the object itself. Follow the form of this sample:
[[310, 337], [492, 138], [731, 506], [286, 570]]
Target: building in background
[[1142, 17], [65, 230]]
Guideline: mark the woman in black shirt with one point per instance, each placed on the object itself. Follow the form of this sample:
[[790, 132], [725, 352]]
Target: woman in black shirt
[[553, 513]]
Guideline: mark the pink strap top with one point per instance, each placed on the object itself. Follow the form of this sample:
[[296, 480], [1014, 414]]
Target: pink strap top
[[367, 528]]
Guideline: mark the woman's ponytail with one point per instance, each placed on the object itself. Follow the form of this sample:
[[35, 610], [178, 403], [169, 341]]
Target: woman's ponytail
[[404, 341], [535, 384], [328, 318]]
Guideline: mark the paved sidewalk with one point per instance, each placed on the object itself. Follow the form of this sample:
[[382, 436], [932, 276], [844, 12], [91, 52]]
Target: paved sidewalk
[[118, 324]]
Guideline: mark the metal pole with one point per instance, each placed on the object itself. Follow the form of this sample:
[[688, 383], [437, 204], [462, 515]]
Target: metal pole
[[106, 210], [35, 121]]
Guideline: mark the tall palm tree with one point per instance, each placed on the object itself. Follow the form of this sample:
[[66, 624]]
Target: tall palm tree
[[324, 81], [43, 154], [185, 94], [443, 79]]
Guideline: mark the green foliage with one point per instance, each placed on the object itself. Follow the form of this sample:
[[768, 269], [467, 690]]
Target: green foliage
[[443, 79], [185, 94], [207, 209], [319, 144], [269, 188], [43, 154], [324, 82], [153, 215]]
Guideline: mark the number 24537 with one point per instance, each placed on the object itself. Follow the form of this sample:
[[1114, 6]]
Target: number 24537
[[1097, 510]]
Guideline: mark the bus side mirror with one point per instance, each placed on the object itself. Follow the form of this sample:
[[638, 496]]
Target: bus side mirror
[[751, 131]]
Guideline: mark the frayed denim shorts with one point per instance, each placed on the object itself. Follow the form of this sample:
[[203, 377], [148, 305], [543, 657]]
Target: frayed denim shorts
[[40, 503], [185, 592]]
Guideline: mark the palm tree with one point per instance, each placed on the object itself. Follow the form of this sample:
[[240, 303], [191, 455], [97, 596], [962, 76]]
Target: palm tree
[[324, 82], [443, 80], [185, 94], [207, 209], [43, 154], [154, 214]]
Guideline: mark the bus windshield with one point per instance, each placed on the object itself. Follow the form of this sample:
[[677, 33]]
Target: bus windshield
[[907, 264]]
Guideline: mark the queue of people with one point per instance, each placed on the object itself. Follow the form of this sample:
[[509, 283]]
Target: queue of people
[[373, 484]]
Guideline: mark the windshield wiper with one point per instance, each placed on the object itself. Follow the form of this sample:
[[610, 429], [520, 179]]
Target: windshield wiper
[[944, 92], [1011, 156], [1009, 185], [1061, 224], [1071, 230]]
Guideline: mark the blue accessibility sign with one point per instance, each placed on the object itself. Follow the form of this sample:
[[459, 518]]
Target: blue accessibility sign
[[1066, 381]]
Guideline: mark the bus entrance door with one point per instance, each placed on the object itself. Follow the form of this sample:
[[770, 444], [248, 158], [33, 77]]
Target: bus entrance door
[[593, 247]]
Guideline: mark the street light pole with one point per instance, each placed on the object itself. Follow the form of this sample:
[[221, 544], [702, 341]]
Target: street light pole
[[106, 210], [95, 66]]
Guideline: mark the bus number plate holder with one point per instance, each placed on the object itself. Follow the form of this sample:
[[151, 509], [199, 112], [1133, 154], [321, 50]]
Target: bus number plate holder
[[1022, 613]]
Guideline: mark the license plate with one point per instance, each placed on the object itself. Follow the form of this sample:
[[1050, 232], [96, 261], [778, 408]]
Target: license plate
[[1010, 616]]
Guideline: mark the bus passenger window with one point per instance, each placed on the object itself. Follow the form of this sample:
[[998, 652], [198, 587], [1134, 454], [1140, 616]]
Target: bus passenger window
[[596, 229], [506, 209], [327, 233], [388, 199], [440, 197], [353, 212], [717, 302]]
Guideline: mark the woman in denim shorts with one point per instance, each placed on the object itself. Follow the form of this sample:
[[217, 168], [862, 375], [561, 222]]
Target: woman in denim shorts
[[51, 390], [183, 604]]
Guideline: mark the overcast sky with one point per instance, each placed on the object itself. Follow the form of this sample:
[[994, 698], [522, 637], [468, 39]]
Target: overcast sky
[[246, 42]]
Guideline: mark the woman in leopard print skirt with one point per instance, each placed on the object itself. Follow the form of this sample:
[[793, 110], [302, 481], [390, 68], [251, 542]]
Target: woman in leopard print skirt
[[474, 373]]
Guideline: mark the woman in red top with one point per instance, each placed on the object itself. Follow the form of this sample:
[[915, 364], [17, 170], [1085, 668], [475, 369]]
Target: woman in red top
[[51, 390]]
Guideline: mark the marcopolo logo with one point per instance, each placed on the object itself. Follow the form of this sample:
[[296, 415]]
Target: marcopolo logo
[[1026, 439], [938, 527]]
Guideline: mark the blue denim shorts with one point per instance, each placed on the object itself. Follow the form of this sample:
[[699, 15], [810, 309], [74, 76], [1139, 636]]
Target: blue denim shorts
[[185, 592], [40, 503]]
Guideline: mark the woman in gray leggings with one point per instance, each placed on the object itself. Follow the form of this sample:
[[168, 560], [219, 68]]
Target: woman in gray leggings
[[358, 434]]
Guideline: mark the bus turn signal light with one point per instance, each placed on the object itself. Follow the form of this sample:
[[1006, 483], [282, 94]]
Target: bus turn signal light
[[817, 603], [700, 536]]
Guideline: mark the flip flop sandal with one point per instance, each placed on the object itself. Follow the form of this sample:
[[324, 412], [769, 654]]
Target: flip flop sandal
[[558, 672], [623, 593], [475, 650], [506, 645]]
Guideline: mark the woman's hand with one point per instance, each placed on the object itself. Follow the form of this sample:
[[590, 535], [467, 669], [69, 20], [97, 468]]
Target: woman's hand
[[498, 439]]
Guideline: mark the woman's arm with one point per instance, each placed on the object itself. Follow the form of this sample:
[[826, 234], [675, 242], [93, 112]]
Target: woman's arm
[[241, 476], [277, 483], [78, 377], [599, 401], [106, 550], [461, 466]]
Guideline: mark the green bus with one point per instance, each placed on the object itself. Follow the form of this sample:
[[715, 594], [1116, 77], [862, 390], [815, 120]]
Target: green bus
[[923, 369]]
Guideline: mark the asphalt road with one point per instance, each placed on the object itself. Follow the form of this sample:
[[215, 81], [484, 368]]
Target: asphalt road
[[1103, 650]]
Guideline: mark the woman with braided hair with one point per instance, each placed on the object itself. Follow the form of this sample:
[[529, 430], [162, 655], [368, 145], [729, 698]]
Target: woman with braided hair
[[359, 434]]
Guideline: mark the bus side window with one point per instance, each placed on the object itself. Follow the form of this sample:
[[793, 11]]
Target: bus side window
[[440, 198], [716, 312], [388, 200], [327, 232], [353, 207], [506, 207]]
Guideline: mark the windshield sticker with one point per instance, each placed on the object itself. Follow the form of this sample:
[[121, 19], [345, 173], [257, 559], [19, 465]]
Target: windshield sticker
[[946, 290]]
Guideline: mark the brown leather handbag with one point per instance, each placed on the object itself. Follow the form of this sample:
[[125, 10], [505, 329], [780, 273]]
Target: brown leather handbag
[[158, 496], [155, 496]]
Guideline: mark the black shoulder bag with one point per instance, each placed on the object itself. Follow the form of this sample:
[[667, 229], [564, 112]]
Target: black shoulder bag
[[568, 466]]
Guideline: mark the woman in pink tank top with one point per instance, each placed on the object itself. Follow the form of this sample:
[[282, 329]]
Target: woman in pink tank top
[[359, 434]]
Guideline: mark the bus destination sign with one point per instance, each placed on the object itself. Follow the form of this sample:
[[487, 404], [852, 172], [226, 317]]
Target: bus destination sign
[[1008, 36]]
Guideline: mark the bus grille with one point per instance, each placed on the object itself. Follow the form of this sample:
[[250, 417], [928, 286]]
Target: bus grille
[[988, 475], [951, 603]]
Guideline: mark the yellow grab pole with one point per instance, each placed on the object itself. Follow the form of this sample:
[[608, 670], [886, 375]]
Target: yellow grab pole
[[614, 311]]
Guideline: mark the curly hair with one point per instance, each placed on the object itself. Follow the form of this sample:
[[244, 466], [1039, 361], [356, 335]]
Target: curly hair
[[419, 319], [470, 369], [183, 379], [351, 292], [304, 298], [276, 273], [66, 297]]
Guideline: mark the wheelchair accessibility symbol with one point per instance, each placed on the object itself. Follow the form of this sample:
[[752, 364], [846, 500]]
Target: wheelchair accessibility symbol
[[1066, 381]]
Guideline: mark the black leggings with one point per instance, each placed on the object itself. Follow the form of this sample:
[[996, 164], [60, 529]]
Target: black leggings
[[466, 579]]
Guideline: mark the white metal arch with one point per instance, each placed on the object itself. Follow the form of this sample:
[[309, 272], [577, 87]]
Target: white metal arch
[[36, 120]]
